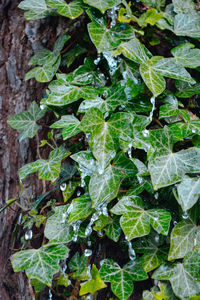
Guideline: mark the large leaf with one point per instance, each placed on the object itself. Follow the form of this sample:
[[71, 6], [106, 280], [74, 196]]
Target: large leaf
[[104, 135], [47, 169], [26, 121], [81, 208], [184, 238], [71, 10], [121, 279], [167, 167], [57, 229], [136, 221], [104, 187], [69, 125], [184, 6], [186, 56], [102, 5], [40, 264], [187, 25], [188, 192], [94, 284], [107, 39], [36, 9], [184, 277]]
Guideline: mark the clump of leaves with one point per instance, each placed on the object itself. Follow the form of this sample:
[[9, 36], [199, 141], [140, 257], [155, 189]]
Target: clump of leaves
[[128, 159]]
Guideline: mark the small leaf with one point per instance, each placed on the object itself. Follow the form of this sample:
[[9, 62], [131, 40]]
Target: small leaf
[[186, 56], [93, 285], [71, 10], [47, 169], [69, 125], [103, 5], [121, 278], [26, 121], [187, 25], [40, 264], [81, 208], [78, 264]]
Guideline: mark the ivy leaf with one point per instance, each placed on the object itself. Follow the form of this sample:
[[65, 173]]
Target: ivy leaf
[[167, 167], [165, 293], [184, 237], [62, 93], [125, 165], [134, 51], [81, 208], [71, 10], [121, 279], [185, 278], [154, 3], [36, 9], [104, 135], [188, 192], [69, 125], [185, 7], [86, 160], [104, 187], [113, 229], [103, 5], [94, 284], [186, 56], [26, 121], [154, 254], [47, 169], [186, 90], [40, 264], [78, 264], [107, 39], [57, 229], [187, 25], [170, 108]]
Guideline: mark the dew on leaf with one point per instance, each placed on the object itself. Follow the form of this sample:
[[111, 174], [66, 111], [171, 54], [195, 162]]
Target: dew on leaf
[[193, 130], [156, 195], [76, 226], [28, 235], [89, 273], [185, 215], [112, 62], [157, 238], [131, 251], [50, 295], [63, 187], [145, 133], [87, 252]]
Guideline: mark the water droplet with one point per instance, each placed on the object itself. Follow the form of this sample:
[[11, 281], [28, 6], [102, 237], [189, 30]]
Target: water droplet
[[145, 133], [156, 282], [195, 242], [89, 273], [153, 101], [89, 243], [96, 61], [157, 238], [63, 218], [100, 233], [127, 91], [185, 215], [102, 262], [88, 252], [156, 195], [131, 251], [42, 106], [156, 217], [76, 226], [28, 235], [78, 193], [130, 150], [63, 187], [106, 115], [50, 295], [112, 62], [193, 130], [89, 297], [175, 223]]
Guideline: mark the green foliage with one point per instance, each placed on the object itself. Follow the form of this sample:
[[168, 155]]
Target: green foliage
[[124, 105]]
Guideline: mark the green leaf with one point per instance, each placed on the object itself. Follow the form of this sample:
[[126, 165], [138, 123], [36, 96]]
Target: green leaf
[[186, 56], [154, 3], [188, 192], [186, 90], [70, 189], [103, 5], [187, 25], [69, 125], [94, 284], [125, 165], [184, 238], [26, 121], [86, 160], [71, 10], [57, 229], [153, 254], [104, 135], [62, 93], [121, 279], [81, 208], [72, 54], [184, 6], [107, 39], [40, 264], [104, 187], [134, 51], [113, 229], [78, 264], [167, 167], [47, 169], [63, 280], [36, 9], [165, 292], [185, 278]]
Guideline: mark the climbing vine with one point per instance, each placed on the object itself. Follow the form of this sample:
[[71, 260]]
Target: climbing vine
[[124, 152]]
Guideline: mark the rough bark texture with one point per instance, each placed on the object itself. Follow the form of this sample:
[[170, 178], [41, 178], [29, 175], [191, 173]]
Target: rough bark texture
[[19, 39]]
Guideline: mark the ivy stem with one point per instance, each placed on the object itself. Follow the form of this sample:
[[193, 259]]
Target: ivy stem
[[52, 147]]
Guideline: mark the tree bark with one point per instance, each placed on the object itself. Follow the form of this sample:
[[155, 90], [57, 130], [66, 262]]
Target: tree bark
[[19, 39]]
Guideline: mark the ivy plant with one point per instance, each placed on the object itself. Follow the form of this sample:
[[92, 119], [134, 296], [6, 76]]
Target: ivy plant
[[121, 154]]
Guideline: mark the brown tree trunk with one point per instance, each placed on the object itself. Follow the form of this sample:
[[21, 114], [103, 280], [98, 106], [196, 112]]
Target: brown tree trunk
[[19, 39]]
